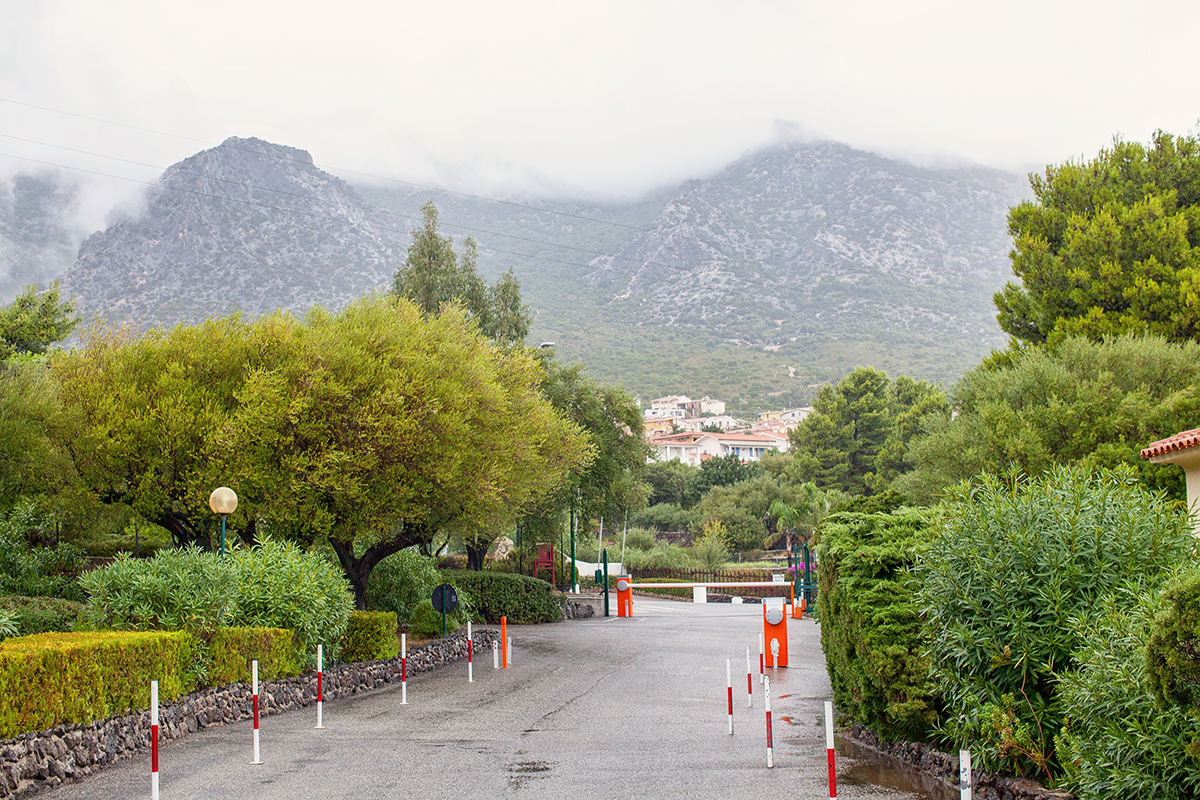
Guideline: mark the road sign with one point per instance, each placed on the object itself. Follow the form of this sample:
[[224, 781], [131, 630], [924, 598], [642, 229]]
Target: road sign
[[445, 599]]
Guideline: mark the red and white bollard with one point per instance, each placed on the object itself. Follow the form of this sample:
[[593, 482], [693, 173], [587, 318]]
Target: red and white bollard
[[729, 690], [749, 681], [495, 654], [762, 661], [829, 748], [770, 731], [404, 669], [254, 689], [964, 774], [320, 687], [470, 655], [153, 740]]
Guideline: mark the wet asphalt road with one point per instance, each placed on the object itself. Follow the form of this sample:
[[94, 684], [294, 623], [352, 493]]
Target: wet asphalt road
[[601, 708]]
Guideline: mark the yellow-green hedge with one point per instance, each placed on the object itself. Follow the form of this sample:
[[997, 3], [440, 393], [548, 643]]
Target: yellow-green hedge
[[232, 650], [53, 678], [371, 635]]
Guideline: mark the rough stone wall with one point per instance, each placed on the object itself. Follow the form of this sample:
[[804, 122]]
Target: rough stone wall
[[64, 754]]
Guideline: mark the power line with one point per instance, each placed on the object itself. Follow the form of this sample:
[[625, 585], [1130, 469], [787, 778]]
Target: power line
[[333, 168]]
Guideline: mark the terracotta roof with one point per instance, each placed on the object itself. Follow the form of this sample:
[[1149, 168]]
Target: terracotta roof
[[1180, 441]]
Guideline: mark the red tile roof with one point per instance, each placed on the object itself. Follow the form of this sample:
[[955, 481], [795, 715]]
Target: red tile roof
[[1180, 441]]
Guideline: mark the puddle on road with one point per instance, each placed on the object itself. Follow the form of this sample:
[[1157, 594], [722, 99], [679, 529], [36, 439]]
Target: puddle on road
[[871, 768]]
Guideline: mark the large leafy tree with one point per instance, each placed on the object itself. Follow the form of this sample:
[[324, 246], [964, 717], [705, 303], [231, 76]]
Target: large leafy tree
[[856, 437], [386, 428], [34, 321], [434, 278], [1073, 401], [1109, 246]]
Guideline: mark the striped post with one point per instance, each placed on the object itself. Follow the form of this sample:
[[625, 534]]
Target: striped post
[[254, 689], [770, 732], [762, 661], [495, 654], [470, 655], [964, 774], [153, 740], [320, 686], [749, 681], [404, 669], [829, 748], [505, 641], [729, 691]]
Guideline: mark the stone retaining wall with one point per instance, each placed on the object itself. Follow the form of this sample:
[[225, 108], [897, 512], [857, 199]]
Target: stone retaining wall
[[928, 759], [67, 753]]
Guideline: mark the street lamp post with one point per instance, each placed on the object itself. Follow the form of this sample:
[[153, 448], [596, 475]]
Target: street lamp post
[[222, 501]]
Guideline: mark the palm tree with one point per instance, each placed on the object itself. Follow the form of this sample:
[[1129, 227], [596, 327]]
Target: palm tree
[[799, 520]]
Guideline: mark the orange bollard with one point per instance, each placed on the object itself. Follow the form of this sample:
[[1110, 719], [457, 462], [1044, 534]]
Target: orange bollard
[[775, 633], [624, 596], [504, 641]]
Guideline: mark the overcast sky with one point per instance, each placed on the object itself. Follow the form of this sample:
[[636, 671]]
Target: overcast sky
[[607, 97]]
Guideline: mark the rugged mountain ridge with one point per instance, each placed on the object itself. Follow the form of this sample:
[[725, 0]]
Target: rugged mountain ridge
[[247, 225], [811, 238], [38, 239]]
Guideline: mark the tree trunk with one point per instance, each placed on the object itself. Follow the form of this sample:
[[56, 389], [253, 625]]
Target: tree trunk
[[475, 556], [358, 570]]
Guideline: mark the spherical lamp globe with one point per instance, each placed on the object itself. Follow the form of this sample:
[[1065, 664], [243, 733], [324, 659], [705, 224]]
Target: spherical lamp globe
[[222, 500]]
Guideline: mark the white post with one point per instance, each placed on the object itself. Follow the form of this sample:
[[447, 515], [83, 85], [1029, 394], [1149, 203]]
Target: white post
[[699, 594], [254, 689], [320, 687], [729, 690], [964, 774], [770, 733], [470, 655], [404, 669], [495, 654], [829, 749], [762, 661], [153, 740], [508, 652]]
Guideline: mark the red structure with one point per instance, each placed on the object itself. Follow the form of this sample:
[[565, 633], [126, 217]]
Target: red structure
[[545, 560]]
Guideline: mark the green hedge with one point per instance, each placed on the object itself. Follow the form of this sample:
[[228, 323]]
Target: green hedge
[[232, 649], [42, 614], [1173, 652], [53, 678], [522, 599], [370, 636], [870, 630]]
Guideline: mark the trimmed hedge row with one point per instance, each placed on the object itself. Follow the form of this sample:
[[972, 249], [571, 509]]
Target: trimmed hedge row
[[232, 649], [370, 636], [522, 599], [870, 628], [51, 678]]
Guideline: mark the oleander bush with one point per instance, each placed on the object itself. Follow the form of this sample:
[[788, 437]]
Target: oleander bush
[[273, 585], [370, 636], [1011, 564], [231, 651], [400, 582], [1118, 741], [49, 679], [41, 614], [870, 628], [522, 599]]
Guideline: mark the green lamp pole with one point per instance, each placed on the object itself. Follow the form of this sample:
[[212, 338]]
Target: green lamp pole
[[574, 571], [222, 501]]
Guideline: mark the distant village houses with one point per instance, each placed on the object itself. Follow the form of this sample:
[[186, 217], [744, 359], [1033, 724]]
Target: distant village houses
[[695, 448], [682, 428]]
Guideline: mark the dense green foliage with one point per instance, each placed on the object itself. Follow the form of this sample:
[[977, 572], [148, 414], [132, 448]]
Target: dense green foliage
[[34, 321], [1011, 564], [370, 636], [81, 677], [522, 599], [1072, 401], [433, 278], [1118, 741], [41, 614], [273, 585], [1109, 246], [870, 628], [1173, 652], [45, 570], [400, 582], [33, 463], [856, 438], [231, 651]]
